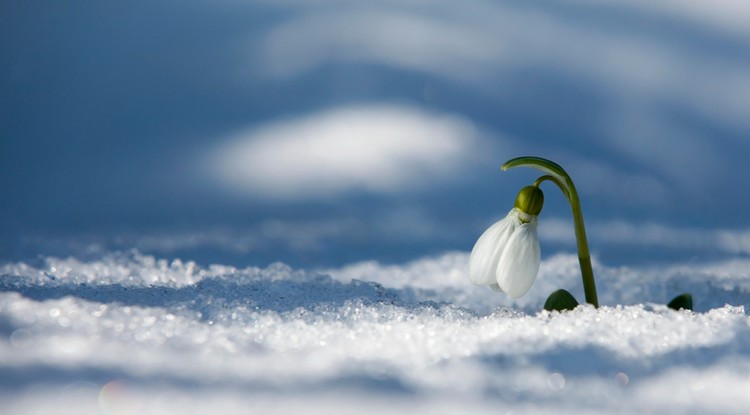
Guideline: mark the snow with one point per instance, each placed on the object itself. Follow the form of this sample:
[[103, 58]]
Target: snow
[[128, 333], [236, 132], [385, 148]]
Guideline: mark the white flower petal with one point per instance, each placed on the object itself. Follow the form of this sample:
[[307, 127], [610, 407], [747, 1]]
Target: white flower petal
[[496, 288], [489, 247], [519, 262]]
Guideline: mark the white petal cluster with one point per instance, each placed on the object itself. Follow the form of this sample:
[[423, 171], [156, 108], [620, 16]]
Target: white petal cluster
[[507, 255]]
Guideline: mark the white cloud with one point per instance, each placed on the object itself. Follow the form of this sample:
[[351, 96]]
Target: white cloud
[[377, 149]]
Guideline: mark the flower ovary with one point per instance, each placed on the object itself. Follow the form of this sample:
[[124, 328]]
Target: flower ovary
[[530, 200]]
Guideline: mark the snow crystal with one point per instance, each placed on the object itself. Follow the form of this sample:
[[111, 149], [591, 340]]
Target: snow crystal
[[129, 333]]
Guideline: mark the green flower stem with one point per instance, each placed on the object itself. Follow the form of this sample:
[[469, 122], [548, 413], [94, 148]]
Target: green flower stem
[[557, 175], [553, 179]]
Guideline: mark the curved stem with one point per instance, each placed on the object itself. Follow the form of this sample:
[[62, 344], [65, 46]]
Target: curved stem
[[555, 180], [560, 177]]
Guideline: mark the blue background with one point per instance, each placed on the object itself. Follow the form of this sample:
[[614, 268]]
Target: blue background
[[106, 107]]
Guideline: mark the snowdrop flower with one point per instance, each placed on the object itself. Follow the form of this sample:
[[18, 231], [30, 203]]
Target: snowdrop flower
[[507, 255]]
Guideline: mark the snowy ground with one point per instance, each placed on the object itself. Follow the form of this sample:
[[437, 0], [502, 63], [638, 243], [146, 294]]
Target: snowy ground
[[323, 133], [132, 334]]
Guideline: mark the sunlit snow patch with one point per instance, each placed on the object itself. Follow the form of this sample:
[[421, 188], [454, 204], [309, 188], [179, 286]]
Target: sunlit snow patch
[[379, 148], [133, 334]]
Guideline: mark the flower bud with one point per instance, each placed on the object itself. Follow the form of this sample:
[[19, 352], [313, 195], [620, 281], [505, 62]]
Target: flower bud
[[530, 200]]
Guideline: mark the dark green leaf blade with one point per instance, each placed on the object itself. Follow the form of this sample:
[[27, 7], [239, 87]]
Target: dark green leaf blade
[[682, 301], [560, 300]]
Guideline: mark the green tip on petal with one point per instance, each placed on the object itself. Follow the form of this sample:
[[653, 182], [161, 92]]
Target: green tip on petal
[[682, 302], [530, 200], [560, 300]]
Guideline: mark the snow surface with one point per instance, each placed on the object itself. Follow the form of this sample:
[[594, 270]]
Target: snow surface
[[132, 334]]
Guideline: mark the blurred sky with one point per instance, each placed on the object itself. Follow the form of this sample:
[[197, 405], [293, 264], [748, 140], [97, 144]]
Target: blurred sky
[[325, 132]]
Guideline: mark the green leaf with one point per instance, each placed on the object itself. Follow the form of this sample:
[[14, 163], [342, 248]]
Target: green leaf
[[682, 301], [560, 300]]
